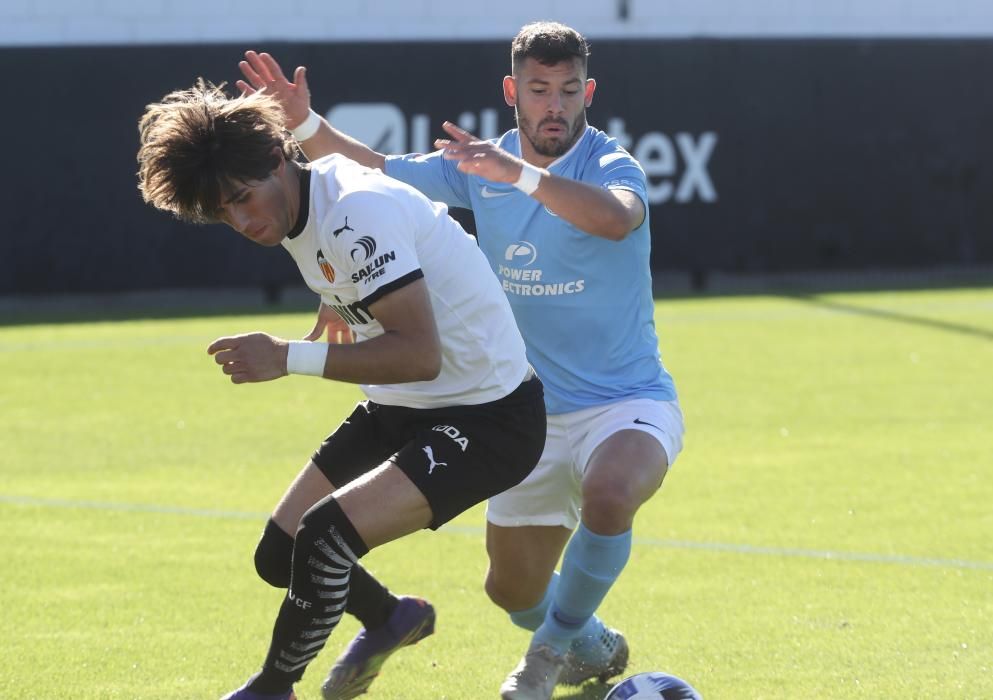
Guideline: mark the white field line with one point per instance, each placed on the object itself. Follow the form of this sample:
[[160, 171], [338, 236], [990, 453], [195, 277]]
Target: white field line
[[747, 549]]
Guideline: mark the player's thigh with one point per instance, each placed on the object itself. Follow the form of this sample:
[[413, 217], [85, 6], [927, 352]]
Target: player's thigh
[[459, 456], [453, 458], [629, 448], [550, 495], [357, 446], [383, 505], [307, 488]]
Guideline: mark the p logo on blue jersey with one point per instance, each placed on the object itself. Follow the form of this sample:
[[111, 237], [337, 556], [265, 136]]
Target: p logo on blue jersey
[[521, 252]]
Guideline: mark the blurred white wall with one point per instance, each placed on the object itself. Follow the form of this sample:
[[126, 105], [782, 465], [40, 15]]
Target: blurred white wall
[[59, 22]]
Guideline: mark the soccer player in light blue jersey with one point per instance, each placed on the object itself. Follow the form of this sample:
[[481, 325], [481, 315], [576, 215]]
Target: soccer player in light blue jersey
[[562, 216]]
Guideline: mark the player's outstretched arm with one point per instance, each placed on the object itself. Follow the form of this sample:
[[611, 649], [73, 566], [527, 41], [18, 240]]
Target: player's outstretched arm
[[409, 350], [476, 156], [599, 212], [263, 72]]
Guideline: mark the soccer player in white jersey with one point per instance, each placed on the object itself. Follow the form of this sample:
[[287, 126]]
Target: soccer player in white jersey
[[454, 413], [562, 215]]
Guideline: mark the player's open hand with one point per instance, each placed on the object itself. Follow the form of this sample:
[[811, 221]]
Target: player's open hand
[[252, 357], [329, 321], [476, 156], [262, 72]]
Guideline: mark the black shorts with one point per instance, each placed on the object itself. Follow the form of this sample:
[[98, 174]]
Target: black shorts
[[457, 456]]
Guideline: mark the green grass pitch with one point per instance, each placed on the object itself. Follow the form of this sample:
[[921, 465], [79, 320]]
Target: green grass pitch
[[827, 533]]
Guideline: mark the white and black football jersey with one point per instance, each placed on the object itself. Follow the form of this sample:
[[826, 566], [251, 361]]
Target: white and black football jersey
[[365, 235]]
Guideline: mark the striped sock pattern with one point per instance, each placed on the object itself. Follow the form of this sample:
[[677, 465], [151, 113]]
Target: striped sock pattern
[[326, 549]]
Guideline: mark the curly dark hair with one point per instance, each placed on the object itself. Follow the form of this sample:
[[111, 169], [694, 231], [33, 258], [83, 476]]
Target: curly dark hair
[[199, 144]]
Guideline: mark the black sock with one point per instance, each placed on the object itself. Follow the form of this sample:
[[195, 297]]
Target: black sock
[[326, 549], [369, 600]]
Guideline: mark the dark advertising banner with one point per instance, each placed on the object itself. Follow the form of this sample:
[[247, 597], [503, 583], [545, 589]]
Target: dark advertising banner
[[762, 156]]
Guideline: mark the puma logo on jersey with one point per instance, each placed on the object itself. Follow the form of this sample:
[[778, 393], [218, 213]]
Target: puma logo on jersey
[[430, 453], [346, 227]]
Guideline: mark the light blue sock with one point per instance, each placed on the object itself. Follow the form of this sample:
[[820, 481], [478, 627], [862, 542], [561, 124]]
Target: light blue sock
[[586, 646], [589, 568], [532, 618]]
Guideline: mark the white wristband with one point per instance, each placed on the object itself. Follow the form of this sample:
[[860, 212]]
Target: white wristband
[[304, 357], [530, 178], [308, 128]]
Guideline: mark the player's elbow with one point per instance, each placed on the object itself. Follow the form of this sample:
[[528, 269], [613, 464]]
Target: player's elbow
[[433, 368], [614, 228], [622, 216], [616, 231], [616, 223], [425, 363]]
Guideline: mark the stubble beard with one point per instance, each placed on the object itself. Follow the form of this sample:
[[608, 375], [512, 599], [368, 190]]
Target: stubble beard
[[551, 147]]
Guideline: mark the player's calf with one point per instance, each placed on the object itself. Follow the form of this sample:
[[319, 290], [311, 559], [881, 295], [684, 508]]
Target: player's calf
[[274, 555]]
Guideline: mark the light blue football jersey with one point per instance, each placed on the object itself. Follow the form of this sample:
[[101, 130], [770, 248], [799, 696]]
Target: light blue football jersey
[[583, 304]]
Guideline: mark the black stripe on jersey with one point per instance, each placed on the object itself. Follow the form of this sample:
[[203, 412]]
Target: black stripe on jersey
[[304, 212], [393, 286]]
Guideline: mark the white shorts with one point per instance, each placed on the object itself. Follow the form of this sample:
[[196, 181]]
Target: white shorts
[[552, 493]]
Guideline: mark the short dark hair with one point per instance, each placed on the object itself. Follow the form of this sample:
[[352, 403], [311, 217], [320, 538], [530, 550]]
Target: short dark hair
[[548, 43], [197, 144]]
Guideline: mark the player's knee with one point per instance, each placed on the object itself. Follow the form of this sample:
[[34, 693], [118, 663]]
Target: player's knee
[[609, 507], [496, 590], [273, 556], [511, 592], [326, 526], [610, 496]]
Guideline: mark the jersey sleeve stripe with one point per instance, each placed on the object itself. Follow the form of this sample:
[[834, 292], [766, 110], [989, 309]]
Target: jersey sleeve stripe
[[396, 284]]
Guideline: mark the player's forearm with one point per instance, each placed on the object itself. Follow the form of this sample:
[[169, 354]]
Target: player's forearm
[[593, 210], [329, 140], [391, 358]]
